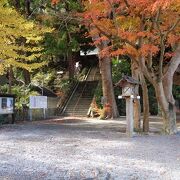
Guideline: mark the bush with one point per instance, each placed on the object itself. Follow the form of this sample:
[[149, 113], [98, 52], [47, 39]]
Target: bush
[[3, 118]]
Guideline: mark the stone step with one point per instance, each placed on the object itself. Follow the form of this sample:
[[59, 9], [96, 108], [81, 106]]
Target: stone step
[[82, 98]]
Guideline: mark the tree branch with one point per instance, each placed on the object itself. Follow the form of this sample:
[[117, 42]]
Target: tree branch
[[150, 56], [114, 15], [162, 51], [173, 27], [175, 62], [102, 31], [157, 21], [149, 75], [113, 38], [127, 4]]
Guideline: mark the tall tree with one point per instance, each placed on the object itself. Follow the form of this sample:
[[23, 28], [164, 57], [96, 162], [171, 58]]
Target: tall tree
[[105, 63], [91, 15], [107, 85], [27, 11], [142, 30], [14, 30], [62, 16]]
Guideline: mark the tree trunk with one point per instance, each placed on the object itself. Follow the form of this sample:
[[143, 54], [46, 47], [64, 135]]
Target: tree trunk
[[27, 77], [107, 87], [168, 86], [163, 88], [169, 111], [167, 108], [110, 107], [145, 104], [159, 110], [10, 78], [71, 64], [136, 104], [27, 7], [16, 4]]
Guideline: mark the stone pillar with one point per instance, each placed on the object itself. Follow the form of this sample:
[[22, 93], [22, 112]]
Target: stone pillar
[[129, 116]]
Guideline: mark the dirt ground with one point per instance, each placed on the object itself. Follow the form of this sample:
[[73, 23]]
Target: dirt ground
[[75, 149]]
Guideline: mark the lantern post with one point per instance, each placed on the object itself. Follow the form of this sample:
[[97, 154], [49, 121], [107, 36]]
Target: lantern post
[[128, 85]]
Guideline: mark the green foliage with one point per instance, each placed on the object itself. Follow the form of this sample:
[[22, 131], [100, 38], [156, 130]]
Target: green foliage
[[69, 35], [120, 66], [176, 92], [43, 79], [69, 5], [65, 85], [153, 106], [58, 44]]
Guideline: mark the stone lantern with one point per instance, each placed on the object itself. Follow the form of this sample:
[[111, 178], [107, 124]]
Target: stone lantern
[[129, 86], [129, 92]]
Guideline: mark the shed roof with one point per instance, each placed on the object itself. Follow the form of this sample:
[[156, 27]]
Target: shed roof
[[7, 95]]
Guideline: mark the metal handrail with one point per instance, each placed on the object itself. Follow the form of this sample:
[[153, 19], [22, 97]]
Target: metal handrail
[[94, 74], [79, 97], [93, 97], [74, 90], [68, 99], [85, 78], [82, 89], [96, 87]]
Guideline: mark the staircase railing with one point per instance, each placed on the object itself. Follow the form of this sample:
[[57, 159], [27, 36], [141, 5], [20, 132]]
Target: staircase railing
[[85, 77], [79, 98], [94, 74], [82, 90], [72, 94], [65, 104]]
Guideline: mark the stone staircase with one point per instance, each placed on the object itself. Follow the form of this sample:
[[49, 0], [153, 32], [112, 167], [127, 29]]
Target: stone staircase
[[80, 102]]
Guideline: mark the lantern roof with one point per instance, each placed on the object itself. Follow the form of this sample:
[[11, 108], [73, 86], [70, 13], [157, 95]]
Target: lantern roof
[[127, 80]]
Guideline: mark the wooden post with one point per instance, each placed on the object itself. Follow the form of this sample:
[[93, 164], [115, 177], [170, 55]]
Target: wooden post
[[44, 113], [13, 118], [30, 115], [129, 116]]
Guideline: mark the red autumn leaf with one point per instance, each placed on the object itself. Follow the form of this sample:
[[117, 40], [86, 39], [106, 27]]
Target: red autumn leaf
[[54, 2]]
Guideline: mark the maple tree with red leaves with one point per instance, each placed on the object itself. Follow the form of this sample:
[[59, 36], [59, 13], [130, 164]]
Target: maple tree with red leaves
[[141, 29]]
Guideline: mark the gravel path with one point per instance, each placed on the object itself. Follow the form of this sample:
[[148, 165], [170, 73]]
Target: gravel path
[[89, 150]]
